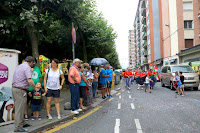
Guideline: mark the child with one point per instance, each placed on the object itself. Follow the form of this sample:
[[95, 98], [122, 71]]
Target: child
[[177, 79], [147, 83], [36, 95], [182, 81]]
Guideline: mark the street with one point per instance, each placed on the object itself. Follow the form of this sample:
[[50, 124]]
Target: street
[[134, 111]]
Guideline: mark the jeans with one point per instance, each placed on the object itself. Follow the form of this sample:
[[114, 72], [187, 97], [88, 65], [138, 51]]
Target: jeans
[[125, 82], [128, 82], [94, 88], [75, 95]]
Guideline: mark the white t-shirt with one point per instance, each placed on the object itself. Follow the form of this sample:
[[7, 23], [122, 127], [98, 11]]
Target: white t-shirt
[[90, 75], [53, 81], [147, 80]]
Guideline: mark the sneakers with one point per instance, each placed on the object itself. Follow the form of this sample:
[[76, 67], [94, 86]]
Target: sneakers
[[138, 88], [49, 117], [79, 110], [182, 95], [33, 118], [74, 112], [59, 117], [111, 96], [26, 117], [129, 88]]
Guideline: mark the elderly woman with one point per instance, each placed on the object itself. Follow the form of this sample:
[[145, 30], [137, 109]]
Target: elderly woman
[[53, 86]]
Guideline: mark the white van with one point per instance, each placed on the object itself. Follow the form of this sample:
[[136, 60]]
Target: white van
[[168, 72]]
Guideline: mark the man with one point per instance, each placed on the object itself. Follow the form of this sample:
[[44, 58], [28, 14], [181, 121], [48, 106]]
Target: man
[[128, 74], [36, 77], [109, 81], [103, 80], [125, 78], [22, 80], [74, 80]]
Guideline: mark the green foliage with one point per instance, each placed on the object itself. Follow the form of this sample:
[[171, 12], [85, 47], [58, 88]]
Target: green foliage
[[50, 22]]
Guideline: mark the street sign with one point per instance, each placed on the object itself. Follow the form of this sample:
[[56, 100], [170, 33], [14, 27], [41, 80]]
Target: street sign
[[74, 35]]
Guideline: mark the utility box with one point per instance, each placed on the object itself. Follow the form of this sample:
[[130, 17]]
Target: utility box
[[8, 63]]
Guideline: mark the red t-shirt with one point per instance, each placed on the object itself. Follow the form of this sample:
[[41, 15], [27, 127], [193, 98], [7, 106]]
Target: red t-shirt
[[154, 73], [129, 73], [143, 74], [150, 73], [138, 74]]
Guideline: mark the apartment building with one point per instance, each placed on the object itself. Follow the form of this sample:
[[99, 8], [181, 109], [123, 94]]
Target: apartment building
[[180, 27], [147, 33], [131, 48], [163, 28]]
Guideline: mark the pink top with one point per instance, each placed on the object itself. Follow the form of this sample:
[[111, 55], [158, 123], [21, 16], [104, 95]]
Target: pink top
[[73, 71]]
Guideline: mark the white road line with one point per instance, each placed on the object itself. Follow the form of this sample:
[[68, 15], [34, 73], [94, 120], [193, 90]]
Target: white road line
[[129, 96], [128, 91], [138, 126], [120, 96], [117, 125], [132, 106], [119, 106]]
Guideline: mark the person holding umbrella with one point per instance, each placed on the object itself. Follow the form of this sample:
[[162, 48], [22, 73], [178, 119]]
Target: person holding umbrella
[[103, 80]]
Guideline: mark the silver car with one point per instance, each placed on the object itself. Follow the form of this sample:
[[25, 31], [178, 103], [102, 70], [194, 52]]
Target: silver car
[[168, 72]]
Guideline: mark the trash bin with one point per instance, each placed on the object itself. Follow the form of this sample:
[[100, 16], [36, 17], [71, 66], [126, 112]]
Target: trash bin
[[117, 78]]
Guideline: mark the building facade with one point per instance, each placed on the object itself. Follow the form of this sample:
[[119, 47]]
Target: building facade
[[181, 27], [131, 48], [163, 28]]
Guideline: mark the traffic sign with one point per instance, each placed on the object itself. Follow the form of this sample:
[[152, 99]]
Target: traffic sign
[[74, 35]]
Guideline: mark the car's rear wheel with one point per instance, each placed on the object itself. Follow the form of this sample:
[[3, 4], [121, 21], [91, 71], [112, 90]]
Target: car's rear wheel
[[162, 84], [195, 88]]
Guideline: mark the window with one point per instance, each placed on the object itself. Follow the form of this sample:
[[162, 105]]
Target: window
[[187, 6], [164, 70], [188, 24], [169, 69], [188, 43]]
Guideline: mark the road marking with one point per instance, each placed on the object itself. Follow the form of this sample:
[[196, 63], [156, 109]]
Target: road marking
[[73, 121], [120, 96], [119, 106], [138, 126], [196, 100], [129, 96], [110, 99], [132, 106], [122, 90], [128, 91], [117, 125]]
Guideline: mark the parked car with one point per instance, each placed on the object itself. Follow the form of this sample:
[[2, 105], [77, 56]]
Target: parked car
[[168, 72]]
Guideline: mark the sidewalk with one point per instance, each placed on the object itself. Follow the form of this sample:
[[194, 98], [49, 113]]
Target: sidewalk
[[44, 123]]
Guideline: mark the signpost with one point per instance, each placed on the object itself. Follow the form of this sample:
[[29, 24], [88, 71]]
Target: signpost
[[73, 40]]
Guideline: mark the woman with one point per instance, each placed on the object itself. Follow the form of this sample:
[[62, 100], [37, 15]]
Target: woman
[[138, 78], [82, 86], [95, 81], [53, 86], [152, 75], [89, 88]]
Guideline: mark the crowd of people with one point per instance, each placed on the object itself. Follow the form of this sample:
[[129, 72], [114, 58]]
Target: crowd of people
[[83, 83], [147, 79]]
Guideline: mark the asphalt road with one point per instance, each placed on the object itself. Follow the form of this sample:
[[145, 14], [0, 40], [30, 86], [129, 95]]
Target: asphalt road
[[134, 111]]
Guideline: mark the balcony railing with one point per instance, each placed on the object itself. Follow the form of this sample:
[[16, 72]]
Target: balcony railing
[[144, 36]]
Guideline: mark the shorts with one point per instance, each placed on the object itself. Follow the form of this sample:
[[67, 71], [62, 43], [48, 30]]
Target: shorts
[[28, 97], [53, 93], [104, 85], [35, 108], [82, 90], [109, 85], [147, 84], [179, 86]]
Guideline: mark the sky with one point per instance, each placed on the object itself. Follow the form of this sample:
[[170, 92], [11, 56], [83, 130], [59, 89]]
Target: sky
[[120, 14]]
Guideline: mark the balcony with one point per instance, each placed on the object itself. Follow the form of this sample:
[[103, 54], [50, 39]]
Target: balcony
[[144, 20], [143, 5], [144, 28], [144, 36], [143, 12], [145, 45], [145, 53]]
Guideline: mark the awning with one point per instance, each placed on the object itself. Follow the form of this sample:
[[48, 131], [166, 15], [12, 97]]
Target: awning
[[172, 60]]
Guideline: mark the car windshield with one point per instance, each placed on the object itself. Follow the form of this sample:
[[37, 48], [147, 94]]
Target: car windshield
[[184, 69]]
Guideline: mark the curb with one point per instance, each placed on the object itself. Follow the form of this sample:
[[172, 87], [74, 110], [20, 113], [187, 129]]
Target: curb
[[65, 118]]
